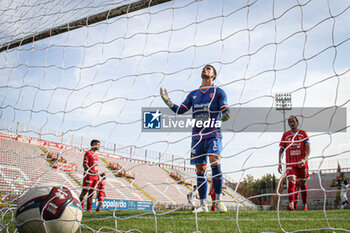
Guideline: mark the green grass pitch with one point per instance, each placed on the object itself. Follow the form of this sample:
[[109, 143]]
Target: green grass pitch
[[185, 221]]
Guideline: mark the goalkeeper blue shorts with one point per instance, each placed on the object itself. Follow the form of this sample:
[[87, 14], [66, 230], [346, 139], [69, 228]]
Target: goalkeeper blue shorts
[[201, 149]]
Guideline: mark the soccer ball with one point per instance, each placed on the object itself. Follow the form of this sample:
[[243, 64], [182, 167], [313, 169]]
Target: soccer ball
[[48, 208]]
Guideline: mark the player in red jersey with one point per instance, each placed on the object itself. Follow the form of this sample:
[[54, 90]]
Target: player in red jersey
[[91, 176], [101, 191], [297, 147]]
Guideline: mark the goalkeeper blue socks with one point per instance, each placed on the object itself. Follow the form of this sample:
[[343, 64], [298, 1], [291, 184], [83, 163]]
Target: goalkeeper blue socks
[[217, 178], [202, 185]]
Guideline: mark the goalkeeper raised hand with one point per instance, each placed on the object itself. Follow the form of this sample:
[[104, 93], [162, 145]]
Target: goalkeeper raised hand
[[165, 97], [225, 116]]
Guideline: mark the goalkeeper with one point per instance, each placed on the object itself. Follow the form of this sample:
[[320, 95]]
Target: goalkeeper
[[208, 103]]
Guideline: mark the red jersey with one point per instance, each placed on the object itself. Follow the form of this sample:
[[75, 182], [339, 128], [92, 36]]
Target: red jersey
[[91, 159], [295, 146]]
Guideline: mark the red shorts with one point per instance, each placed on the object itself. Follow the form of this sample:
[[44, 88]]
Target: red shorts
[[90, 182], [301, 173]]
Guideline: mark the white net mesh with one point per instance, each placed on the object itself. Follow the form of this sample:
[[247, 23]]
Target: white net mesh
[[69, 86]]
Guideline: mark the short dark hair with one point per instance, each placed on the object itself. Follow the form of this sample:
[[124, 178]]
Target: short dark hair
[[213, 70], [94, 141], [295, 117]]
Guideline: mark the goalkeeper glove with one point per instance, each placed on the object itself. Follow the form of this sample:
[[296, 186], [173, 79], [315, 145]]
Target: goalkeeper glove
[[226, 116], [165, 97]]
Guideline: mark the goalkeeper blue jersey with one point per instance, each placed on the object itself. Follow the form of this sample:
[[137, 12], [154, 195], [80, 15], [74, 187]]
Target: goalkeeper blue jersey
[[207, 106]]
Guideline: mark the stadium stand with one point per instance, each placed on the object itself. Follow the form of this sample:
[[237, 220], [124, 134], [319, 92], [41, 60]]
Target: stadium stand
[[24, 163], [116, 188]]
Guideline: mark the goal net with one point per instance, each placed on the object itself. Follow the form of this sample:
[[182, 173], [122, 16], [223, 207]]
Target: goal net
[[73, 71]]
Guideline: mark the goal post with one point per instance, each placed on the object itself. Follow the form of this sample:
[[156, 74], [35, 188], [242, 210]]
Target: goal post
[[83, 22]]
